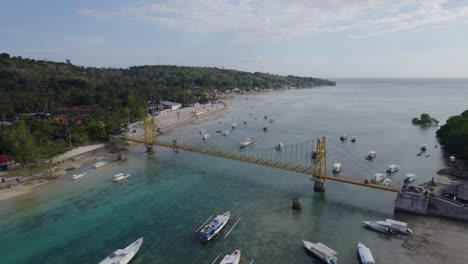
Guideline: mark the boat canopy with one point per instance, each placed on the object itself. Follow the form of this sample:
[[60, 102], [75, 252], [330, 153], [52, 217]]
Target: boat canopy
[[394, 222], [324, 249]]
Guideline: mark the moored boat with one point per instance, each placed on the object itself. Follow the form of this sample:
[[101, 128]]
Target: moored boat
[[265, 127], [392, 168], [389, 226], [280, 146], [202, 131], [336, 167], [344, 137], [371, 155], [205, 136], [77, 176], [214, 227], [353, 139], [99, 164], [247, 141], [120, 177], [123, 256], [234, 258], [321, 251], [423, 147], [234, 125], [387, 182], [225, 133], [365, 255], [410, 177], [378, 177]]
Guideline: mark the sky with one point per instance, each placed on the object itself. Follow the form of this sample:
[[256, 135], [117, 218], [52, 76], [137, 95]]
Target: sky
[[317, 38]]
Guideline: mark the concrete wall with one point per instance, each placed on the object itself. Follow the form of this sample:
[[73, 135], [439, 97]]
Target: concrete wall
[[411, 203], [446, 208]]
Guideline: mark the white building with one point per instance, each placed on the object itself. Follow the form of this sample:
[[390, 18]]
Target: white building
[[171, 105]]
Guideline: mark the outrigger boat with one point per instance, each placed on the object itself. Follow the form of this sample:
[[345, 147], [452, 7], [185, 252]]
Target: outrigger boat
[[410, 177], [321, 251], [247, 141], [120, 177], [234, 258], [214, 227], [77, 176], [123, 256], [99, 164]]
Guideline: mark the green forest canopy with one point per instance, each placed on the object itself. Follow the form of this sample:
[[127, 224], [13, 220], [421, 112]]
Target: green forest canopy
[[454, 134]]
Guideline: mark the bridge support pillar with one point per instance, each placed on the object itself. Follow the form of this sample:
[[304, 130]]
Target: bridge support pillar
[[149, 149], [319, 186]]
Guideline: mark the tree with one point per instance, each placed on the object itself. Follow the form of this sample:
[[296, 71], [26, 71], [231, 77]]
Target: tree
[[4, 55]]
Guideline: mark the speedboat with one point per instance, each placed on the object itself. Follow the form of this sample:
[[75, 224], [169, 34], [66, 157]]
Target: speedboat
[[123, 256], [202, 131], [280, 146], [387, 182], [247, 141], [265, 127], [205, 136], [344, 137], [371, 155], [225, 133], [77, 176], [365, 255], [321, 251], [120, 177], [336, 167], [99, 164], [392, 168], [234, 258], [212, 229], [353, 139], [389, 226], [410, 177], [378, 177]]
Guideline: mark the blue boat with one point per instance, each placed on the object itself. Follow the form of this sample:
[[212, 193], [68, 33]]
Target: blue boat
[[214, 227]]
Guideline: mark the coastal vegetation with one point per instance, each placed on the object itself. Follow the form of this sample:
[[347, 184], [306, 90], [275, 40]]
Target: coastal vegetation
[[425, 119], [454, 134], [47, 107]]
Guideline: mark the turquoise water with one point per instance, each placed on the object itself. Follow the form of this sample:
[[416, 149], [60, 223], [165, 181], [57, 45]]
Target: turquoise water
[[170, 194]]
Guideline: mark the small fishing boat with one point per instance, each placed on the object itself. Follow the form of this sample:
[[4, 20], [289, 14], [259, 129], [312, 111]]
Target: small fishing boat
[[344, 137], [392, 168], [219, 131], [265, 127], [389, 226], [234, 125], [77, 176], [321, 251], [247, 141], [419, 153], [452, 158], [205, 136], [280, 146], [353, 139], [428, 155], [202, 131], [99, 164], [225, 133], [120, 177], [265, 117], [378, 177], [387, 182], [410, 177], [336, 167], [423, 147], [365, 255], [234, 258], [214, 227], [123, 256], [371, 155], [245, 122]]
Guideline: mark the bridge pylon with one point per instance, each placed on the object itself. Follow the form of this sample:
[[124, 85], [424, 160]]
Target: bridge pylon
[[150, 134], [320, 168]]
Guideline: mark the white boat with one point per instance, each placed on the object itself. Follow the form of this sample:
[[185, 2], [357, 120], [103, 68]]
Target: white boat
[[353, 139], [365, 255], [202, 131], [387, 182], [336, 167], [120, 177], [234, 125], [378, 177], [234, 258], [321, 251], [452, 158], [214, 227], [389, 226], [344, 137], [225, 133], [247, 141], [205, 136], [410, 177], [371, 155], [280, 146], [77, 176], [99, 164], [123, 256], [392, 168], [423, 147], [265, 127]]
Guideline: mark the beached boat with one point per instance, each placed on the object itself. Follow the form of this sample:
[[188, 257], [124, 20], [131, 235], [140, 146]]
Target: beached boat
[[265, 127], [123, 256], [387, 182], [202, 131], [378, 177], [365, 255], [120, 177], [389, 226], [353, 139], [321, 251], [280, 146], [344, 137], [410, 177], [247, 141], [99, 164], [205, 136], [371, 155], [77, 176], [392, 168], [225, 133], [234, 258], [423, 147], [214, 227], [336, 167]]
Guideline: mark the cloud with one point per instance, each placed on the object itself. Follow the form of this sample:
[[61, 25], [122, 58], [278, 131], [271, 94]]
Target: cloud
[[84, 40], [253, 20]]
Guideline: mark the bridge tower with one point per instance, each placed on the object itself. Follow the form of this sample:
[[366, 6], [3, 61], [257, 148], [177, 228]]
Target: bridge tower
[[320, 168], [150, 134]]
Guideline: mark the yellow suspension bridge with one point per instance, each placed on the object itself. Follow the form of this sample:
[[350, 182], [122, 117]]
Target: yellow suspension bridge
[[316, 170]]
